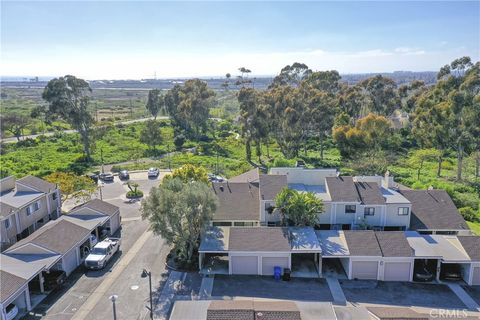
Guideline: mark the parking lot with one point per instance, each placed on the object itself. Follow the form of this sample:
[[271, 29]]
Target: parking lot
[[400, 294], [131, 289], [267, 287]]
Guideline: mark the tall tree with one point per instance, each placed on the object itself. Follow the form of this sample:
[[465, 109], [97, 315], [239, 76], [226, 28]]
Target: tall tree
[[291, 75], [180, 212], [382, 94], [151, 134], [410, 93], [68, 99], [188, 173], [418, 158], [72, 185], [155, 102], [327, 81], [14, 123], [352, 101]]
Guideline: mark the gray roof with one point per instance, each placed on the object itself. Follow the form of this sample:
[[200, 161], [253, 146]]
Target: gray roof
[[342, 189], [237, 201], [332, 242], [18, 199], [10, 284], [259, 239], [471, 244], [370, 193], [215, 239], [434, 210], [394, 244], [362, 243], [58, 236], [271, 185], [37, 184], [249, 176], [303, 239], [100, 206]]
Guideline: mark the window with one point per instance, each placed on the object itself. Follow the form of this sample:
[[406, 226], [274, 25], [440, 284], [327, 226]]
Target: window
[[54, 196], [350, 208], [243, 224], [29, 210], [222, 224], [7, 223], [36, 206], [369, 211], [403, 211]]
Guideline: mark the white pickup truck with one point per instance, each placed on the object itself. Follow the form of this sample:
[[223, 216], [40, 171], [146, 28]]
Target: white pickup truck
[[102, 253]]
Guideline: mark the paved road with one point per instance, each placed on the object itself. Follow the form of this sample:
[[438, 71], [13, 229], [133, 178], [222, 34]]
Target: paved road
[[33, 136], [122, 275]]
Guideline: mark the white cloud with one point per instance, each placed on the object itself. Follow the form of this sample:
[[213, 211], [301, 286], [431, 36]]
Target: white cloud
[[120, 65]]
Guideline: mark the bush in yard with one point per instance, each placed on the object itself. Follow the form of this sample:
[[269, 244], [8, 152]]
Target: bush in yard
[[134, 192], [469, 214], [179, 140]]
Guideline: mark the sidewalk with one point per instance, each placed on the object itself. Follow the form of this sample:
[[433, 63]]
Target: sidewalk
[[164, 303], [464, 297]]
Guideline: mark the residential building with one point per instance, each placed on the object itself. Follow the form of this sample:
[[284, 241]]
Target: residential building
[[26, 205]]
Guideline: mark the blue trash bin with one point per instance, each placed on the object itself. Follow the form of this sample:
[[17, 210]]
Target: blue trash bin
[[277, 273]]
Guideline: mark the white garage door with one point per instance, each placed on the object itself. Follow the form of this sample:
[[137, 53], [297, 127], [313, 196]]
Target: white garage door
[[244, 264], [268, 263], [476, 277], [365, 270], [397, 271], [114, 223], [70, 261]]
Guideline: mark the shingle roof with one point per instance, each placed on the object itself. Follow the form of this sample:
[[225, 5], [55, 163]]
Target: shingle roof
[[271, 185], [394, 244], [237, 201], [433, 209], [99, 205], [342, 189], [58, 236], [249, 176], [37, 184], [369, 193], [471, 244], [10, 284], [362, 243], [259, 239]]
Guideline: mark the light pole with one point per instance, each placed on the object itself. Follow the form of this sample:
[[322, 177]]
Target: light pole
[[114, 298], [148, 274]]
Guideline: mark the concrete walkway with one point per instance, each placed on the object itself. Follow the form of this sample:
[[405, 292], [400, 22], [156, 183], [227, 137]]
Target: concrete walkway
[[337, 291], [464, 296], [164, 302], [206, 287], [96, 295]]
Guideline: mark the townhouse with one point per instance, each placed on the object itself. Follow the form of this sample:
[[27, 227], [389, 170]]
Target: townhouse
[[371, 228], [25, 205], [58, 247]]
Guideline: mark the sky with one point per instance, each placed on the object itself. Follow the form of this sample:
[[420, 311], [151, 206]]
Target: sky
[[137, 40]]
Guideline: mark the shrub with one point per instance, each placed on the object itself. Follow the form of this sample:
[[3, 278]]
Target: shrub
[[469, 214], [135, 194], [179, 140]]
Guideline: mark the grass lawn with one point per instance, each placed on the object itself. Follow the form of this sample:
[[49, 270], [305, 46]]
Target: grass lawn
[[475, 227]]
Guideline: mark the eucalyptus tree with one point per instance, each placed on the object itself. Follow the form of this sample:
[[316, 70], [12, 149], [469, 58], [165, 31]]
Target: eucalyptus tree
[[68, 99], [291, 75], [382, 93], [155, 102]]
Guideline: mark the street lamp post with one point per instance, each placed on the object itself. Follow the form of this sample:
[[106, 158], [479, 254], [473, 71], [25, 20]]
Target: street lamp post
[[148, 274], [114, 298]]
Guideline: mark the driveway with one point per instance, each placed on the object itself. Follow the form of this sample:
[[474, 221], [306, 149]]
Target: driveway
[[400, 294], [266, 287], [474, 292]]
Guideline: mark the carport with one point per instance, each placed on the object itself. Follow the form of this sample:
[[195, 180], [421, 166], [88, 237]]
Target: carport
[[335, 256], [305, 257], [213, 252], [471, 245]]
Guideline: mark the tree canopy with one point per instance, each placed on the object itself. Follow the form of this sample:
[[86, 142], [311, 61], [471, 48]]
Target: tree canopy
[[298, 208]]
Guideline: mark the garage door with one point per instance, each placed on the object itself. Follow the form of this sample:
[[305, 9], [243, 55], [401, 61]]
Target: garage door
[[244, 264], [70, 261], [114, 223], [269, 262], [476, 277], [364, 270], [397, 271]]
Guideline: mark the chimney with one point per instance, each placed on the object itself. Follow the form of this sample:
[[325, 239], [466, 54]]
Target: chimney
[[387, 181]]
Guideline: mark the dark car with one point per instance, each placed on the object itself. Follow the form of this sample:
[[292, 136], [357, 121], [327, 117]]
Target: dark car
[[106, 176], [51, 280], [422, 274], [94, 177], [124, 175], [451, 271]]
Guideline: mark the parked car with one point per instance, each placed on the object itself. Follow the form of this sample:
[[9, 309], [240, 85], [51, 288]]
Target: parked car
[[102, 253], [106, 176], [124, 175], [51, 280], [300, 164], [12, 311], [451, 271], [94, 177], [422, 274], [215, 178], [153, 172]]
